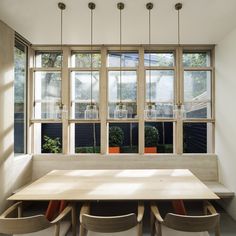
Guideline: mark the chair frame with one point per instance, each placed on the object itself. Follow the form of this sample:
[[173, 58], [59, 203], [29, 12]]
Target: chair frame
[[110, 224], [24, 225], [210, 220]]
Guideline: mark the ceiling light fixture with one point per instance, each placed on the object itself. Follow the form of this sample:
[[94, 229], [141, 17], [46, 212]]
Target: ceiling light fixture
[[91, 111], [62, 113], [120, 111], [150, 111], [179, 110]]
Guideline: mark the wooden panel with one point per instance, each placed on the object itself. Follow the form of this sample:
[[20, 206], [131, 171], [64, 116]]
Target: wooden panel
[[203, 166], [126, 184]]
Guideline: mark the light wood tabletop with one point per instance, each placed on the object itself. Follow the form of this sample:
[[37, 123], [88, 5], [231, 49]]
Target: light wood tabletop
[[148, 184]]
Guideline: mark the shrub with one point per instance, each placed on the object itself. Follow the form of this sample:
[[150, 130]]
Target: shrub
[[151, 136], [51, 145], [116, 136]]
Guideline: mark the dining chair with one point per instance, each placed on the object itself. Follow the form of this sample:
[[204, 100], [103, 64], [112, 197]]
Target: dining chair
[[185, 225], [119, 225], [37, 225]]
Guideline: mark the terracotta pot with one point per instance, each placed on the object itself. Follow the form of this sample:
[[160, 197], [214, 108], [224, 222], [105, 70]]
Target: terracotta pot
[[150, 150], [114, 149]]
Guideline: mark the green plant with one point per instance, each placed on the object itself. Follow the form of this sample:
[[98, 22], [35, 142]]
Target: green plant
[[116, 136], [151, 136], [51, 145]]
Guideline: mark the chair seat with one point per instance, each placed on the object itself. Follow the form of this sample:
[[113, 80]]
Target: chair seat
[[130, 232], [171, 232], [64, 228]]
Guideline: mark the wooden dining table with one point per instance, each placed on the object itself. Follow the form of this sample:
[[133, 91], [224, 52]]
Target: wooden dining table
[[116, 185]]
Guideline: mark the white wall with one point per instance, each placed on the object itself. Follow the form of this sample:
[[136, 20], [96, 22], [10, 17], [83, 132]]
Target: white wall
[[226, 115], [14, 171]]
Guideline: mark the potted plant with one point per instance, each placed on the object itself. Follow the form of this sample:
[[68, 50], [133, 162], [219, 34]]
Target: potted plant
[[116, 138], [151, 139]]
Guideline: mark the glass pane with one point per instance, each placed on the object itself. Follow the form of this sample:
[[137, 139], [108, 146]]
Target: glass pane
[[81, 92], [198, 109], [47, 95], [197, 94], [160, 90], [126, 92], [129, 59], [19, 97], [197, 137], [83, 60], [51, 138], [196, 59], [158, 137], [123, 138], [87, 138], [48, 59], [159, 59]]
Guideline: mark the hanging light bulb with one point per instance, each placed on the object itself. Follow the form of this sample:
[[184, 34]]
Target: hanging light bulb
[[150, 111], [120, 111], [62, 112], [91, 111], [179, 111]]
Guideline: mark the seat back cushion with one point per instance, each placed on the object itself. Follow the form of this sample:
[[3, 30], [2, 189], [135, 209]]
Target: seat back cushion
[[54, 208], [179, 208]]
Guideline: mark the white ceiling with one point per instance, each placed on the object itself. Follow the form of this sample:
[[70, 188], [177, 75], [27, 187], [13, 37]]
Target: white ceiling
[[202, 21]]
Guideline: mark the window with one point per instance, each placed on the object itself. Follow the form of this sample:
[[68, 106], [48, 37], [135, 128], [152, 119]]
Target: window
[[47, 85], [178, 82], [197, 136], [47, 102], [20, 81], [123, 138], [160, 93], [84, 92]]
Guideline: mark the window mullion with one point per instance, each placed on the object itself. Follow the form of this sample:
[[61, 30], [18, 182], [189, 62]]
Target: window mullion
[[179, 100], [103, 102], [141, 99], [65, 99]]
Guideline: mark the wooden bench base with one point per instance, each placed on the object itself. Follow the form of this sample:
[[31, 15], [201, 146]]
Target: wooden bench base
[[219, 189]]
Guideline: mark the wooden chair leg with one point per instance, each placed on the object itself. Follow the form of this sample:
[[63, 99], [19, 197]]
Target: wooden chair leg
[[140, 229], [57, 229], [152, 221], [217, 230], [74, 220], [82, 231]]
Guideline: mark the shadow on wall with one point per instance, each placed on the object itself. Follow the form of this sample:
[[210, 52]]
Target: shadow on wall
[[14, 173]]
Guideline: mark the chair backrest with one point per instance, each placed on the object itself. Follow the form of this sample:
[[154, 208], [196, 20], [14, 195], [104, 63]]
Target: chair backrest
[[109, 224], [23, 225], [191, 223]]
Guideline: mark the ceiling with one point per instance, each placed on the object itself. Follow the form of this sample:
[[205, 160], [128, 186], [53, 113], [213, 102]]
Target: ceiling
[[202, 21]]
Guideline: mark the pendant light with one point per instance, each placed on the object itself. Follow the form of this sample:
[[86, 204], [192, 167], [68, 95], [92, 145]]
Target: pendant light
[[121, 111], [62, 112], [179, 110], [150, 111], [91, 111]]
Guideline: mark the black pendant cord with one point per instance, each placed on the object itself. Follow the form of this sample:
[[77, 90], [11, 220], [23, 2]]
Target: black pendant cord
[[61, 29], [178, 7], [120, 58], [150, 72], [91, 60], [178, 29]]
